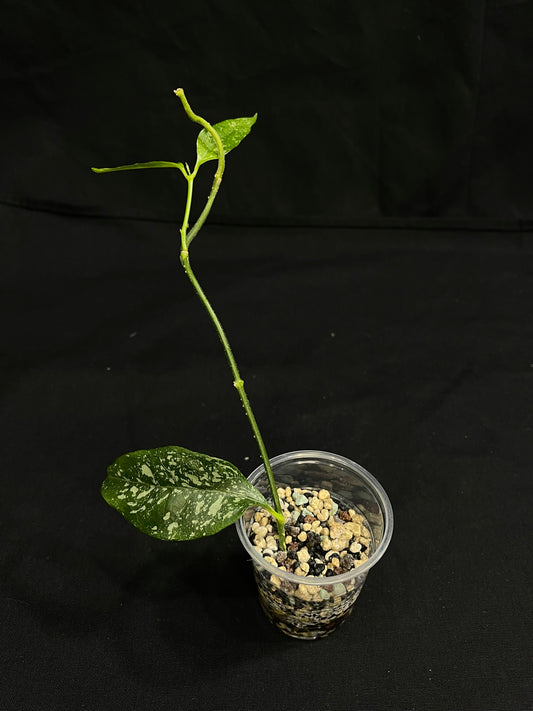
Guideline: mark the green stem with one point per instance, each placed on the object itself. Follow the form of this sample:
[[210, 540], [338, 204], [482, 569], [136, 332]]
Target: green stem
[[239, 385], [186, 239], [220, 166]]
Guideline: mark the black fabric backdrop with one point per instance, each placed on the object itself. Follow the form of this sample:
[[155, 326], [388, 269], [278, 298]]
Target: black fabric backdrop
[[370, 254]]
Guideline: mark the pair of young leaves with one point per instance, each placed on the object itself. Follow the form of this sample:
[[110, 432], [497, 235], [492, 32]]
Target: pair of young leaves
[[231, 133], [172, 493]]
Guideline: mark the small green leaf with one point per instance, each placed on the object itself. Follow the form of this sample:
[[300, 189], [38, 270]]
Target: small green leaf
[[140, 166], [174, 494], [231, 132]]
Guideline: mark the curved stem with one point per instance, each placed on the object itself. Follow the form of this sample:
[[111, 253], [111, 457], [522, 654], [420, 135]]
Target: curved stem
[[220, 165], [186, 239]]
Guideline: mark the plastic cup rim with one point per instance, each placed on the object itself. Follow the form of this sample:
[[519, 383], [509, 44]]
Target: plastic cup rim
[[373, 484]]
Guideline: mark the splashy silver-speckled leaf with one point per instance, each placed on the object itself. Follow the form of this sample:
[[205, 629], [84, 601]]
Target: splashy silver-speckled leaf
[[174, 494]]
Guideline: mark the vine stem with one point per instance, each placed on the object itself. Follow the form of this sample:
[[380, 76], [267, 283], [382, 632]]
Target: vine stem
[[187, 236]]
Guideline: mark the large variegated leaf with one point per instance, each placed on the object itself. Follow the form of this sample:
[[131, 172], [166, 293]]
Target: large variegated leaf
[[231, 132], [175, 494]]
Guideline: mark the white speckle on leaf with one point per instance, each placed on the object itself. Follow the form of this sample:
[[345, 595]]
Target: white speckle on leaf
[[193, 478], [215, 506], [136, 511]]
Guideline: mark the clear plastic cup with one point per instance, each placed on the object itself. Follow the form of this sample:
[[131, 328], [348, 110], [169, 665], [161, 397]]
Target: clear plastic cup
[[313, 607]]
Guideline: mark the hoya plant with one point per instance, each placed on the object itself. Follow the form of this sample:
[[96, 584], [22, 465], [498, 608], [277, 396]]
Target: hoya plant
[[170, 492]]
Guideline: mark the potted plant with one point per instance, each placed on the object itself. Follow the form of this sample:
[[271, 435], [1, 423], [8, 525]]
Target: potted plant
[[312, 522]]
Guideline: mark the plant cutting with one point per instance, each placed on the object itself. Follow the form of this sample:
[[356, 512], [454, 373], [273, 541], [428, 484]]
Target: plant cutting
[[313, 531], [172, 493]]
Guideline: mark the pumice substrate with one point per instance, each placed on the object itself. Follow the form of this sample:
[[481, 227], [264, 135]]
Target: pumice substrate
[[323, 539]]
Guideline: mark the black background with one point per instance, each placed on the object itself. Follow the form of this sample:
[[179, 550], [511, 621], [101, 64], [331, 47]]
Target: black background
[[370, 254]]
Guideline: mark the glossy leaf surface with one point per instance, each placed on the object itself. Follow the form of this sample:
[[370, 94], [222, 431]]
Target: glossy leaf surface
[[231, 132], [174, 494]]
